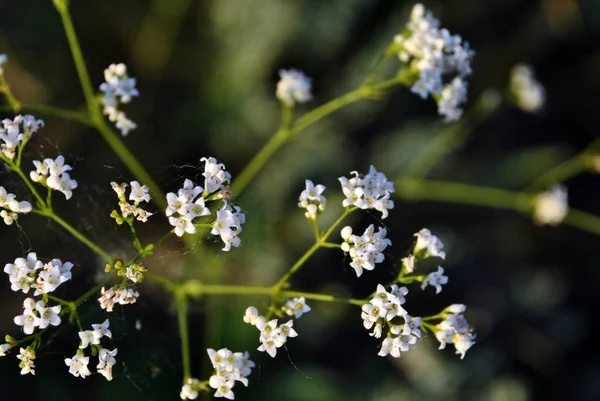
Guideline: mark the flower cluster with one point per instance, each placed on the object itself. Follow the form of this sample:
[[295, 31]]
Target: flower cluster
[[551, 207], [313, 200], [53, 174], [139, 193], [118, 88], [11, 207], [293, 86], [78, 364], [528, 93], [371, 191], [381, 310], [37, 314], [455, 329], [22, 274], [272, 335], [229, 368], [434, 53], [117, 295], [427, 246], [27, 356], [190, 203], [16, 132], [365, 250]]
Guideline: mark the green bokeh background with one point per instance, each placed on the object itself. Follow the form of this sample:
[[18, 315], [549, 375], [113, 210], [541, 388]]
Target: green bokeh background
[[206, 72]]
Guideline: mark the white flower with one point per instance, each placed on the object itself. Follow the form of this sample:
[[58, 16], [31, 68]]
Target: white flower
[[12, 207], [432, 245], [366, 250], [78, 366], [371, 191], [296, 307], [54, 174], [228, 225], [4, 348], [51, 276], [312, 200], [551, 207], [434, 53], [409, 263], [251, 315], [215, 176], [188, 390], [293, 86], [453, 95], [529, 94], [118, 88], [22, 272], [48, 315], [455, 329], [16, 131], [27, 356], [89, 337], [107, 300], [29, 319], [229, 368], [435, 279], [106, 360], [183, 208], [139, 193], [102, 330]]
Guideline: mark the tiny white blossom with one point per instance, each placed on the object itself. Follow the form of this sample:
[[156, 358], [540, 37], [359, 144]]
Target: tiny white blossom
[[106, 360], [293, 86], [29, 319], [118, 89], [27, 356], [101, 330], [431, 244], [188, 390], [455, 329], [367, 250], [313, 200], [251, 315], [78, 366], [296, 307], [551, 207], [435, 279], [528, 93], [371, 191]]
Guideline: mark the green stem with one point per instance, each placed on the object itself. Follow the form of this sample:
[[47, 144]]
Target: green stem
[[488, 197], [195, 288], [117, 145], [330, 245], [337, 223], [277, 286], [567, 169], [451, 138], [57, 112], [14, 104], [41, 204], [90, 244], [317, 233], [182, 317], [84, 77]]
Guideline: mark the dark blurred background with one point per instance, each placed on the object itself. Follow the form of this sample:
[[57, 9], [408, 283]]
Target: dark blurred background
[[207, 72]]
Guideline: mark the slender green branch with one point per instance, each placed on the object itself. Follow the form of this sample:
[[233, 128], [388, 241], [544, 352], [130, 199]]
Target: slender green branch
[[82, 238], [14, 104], [196, 288], [52, 111], [41, 204], [84, 78], [451, 138], [567, 169], [330, 245], [316, 227], [182, 317], [488, 197], [337, 223], [299, 263]]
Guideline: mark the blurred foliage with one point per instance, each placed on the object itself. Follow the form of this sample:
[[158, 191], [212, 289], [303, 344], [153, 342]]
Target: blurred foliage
[[207, 71]]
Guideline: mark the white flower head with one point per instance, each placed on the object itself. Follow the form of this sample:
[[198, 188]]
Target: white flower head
[[528, 93], [296, 307], [313, 200], [27, 357], [78, 366], [435, 279], [551, 207], [293, 86], [366, 250], [369, 191], [433, 53], [118, 89], [430, 244]]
